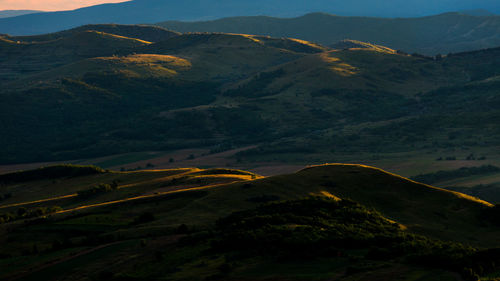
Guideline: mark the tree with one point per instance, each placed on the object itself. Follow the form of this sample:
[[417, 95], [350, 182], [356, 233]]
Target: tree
[[21, 212]]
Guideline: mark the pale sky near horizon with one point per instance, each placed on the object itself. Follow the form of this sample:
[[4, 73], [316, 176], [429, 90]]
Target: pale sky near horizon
[[51, 5]]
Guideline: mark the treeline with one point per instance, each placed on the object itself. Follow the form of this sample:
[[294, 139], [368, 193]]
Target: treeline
[[98, 189], [321, 227], [51, 172], [317, 227], [459, 173], [23, 213]]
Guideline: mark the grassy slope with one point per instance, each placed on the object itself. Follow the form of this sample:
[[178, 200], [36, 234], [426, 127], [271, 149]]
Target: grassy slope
[[133, 66], [228, 57], [20, 59], [423, 209], [142, 32], [441, 213], [386, 121], [444, 33], [204, 50], [130, 184], [292, 95], [150, 74]]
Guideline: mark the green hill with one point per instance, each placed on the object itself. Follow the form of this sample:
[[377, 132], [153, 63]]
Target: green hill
[[442, 214], [228, 57], [25, 58], [142, 32], [351, 221], [445, 33], [133, 66], [91, 94]]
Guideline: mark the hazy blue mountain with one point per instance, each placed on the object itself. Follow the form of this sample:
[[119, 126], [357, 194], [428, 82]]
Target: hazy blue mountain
[[445, 33], [15, 13], [477, 12], [150, 11]]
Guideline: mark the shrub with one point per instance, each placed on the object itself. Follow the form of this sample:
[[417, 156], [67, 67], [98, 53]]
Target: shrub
[[316, 227], [23, 213], [98, 189], [51, 172], [144, 218]]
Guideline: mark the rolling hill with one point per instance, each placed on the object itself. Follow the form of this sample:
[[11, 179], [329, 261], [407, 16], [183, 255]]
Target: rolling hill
[[142, 32], [90, 94], [431, 35], [226, 57], [151, 11], [21, 58], [356, 222]]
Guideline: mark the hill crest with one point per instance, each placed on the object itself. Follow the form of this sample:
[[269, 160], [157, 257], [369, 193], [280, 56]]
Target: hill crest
[[142, 32], [334, 166], [430, 35]]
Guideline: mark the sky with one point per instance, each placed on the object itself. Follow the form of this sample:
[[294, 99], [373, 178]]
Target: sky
[[50, 5]]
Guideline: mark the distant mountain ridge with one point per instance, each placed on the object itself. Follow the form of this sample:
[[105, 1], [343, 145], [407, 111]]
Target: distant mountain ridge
[[143, 32], [445, 33], [15, 13], [477, 12], [150, 11]]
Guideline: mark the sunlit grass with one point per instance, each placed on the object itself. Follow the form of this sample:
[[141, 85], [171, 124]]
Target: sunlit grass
[[5, 40], [326, 194], [138, 65], [166, 181], [338, 66], [151, 59], [119, 36], [307, 43], [251, 37], [369, 46]]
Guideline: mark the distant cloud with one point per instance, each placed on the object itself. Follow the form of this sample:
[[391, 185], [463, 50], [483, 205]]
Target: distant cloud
[[51, 5]]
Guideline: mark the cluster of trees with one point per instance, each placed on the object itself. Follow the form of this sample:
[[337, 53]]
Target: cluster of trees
[[322, 226], [98, 189], [316, 227], [51, 172], [138, 168], [469, 157], [448, 158], [23, 213]]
